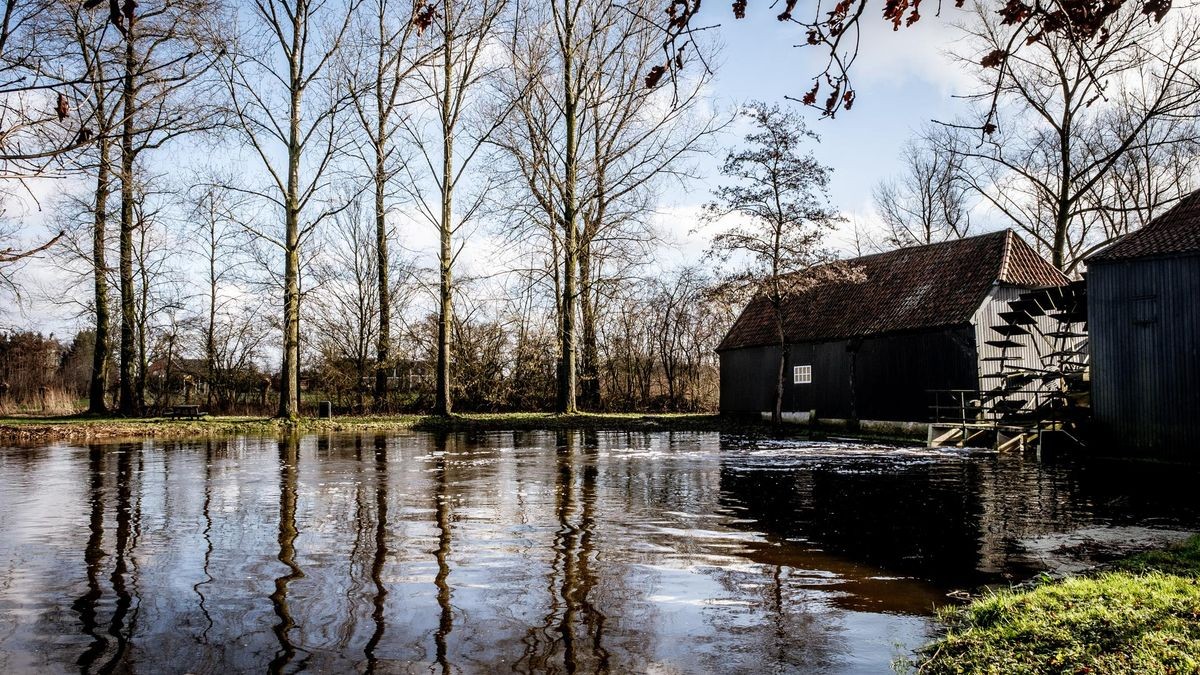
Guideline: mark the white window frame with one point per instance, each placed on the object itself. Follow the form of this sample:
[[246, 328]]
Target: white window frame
[[802, 374]]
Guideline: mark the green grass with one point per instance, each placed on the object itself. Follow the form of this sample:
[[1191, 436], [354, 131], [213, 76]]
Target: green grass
[[77, 427], [1183, 560], [86, 427], [31, 428], [1142, 616]]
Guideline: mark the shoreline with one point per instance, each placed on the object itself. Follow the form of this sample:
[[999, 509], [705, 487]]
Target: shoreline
[[1137, 614], [27, 429]]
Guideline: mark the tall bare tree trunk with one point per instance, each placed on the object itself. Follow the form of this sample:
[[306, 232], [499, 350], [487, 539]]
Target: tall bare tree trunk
[[210, 332], [289, 376], [590, 361], [444, 404], [567, 369], [381, 243], [589, 368], [590, 357], [143, 319], [777, 412], [382, 355], [98, 384], [128, 397], [289, 384]]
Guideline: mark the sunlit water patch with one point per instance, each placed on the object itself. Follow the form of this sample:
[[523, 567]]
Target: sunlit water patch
[[529, 552]]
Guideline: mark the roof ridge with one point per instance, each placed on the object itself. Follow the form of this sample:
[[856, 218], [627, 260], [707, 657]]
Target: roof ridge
[[914, 247], [1005, 254], [1174, 232]]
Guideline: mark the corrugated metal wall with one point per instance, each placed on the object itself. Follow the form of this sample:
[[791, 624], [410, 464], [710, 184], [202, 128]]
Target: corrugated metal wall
[[892, 375], [1037, 346], [988, 315], [1144, 325]]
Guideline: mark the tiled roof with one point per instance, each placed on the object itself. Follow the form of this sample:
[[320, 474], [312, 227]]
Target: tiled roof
[[1176, 232], [906, 289]]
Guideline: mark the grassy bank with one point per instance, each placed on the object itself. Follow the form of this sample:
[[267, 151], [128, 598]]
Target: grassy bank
[[82, 427], [1140, 616], [31, 428]]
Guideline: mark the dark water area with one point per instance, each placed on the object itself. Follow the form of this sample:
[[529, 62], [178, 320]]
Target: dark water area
[[530, 552]]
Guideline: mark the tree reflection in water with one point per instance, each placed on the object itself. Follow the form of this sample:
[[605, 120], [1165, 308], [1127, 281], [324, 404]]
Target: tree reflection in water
[[532, 551], [381, 552], [93, 558], [111, 651], [442, 554], [571, 577], [289, 456], [206, 512]]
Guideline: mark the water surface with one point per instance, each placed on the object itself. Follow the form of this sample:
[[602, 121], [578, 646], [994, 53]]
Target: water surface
[[526, 552]]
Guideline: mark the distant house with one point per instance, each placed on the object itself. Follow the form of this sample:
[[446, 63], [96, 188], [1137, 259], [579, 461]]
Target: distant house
[[406, 375], [919, 319], [1144, 325]]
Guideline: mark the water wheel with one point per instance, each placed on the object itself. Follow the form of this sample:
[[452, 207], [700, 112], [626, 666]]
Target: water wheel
[[1040, 358]]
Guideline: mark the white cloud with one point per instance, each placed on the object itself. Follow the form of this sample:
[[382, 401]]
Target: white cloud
[[920, 52]]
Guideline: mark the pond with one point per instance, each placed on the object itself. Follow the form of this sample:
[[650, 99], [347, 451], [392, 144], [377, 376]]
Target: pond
[[530, 551]]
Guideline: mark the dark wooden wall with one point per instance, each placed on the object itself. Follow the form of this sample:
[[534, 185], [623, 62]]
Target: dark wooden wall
[[892, 374], [747, 379], [1144, 333]]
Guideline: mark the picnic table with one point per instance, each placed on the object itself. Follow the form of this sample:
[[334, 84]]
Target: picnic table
[[179, 412]]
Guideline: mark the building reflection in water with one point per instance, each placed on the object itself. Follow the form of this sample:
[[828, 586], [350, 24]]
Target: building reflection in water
[[955, 521]]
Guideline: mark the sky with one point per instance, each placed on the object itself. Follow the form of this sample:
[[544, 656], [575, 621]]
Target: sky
[[903, 79]]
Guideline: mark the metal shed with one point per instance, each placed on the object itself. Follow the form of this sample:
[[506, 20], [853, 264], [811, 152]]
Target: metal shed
[[1144, 322]]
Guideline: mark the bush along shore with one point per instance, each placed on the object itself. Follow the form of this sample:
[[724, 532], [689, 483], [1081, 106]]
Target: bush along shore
[[1138, 615], [90, 428]]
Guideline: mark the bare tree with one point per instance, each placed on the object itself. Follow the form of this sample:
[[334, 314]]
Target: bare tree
[[379, 71], [1147, 179], [158, 296], [464, 29], [778, 192], [286, 105], [40, 125], [167, 48], [91, 41], [658, 350], [590, 145], [675, 304], [11, 257], [344, 313], [544, 141], [1075, 116], [929, 201], [627, 352], [637, 140], [82, 287], [216, 238]]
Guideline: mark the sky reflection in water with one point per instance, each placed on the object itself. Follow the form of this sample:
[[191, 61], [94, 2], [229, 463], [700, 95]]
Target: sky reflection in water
[[525, 552]]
